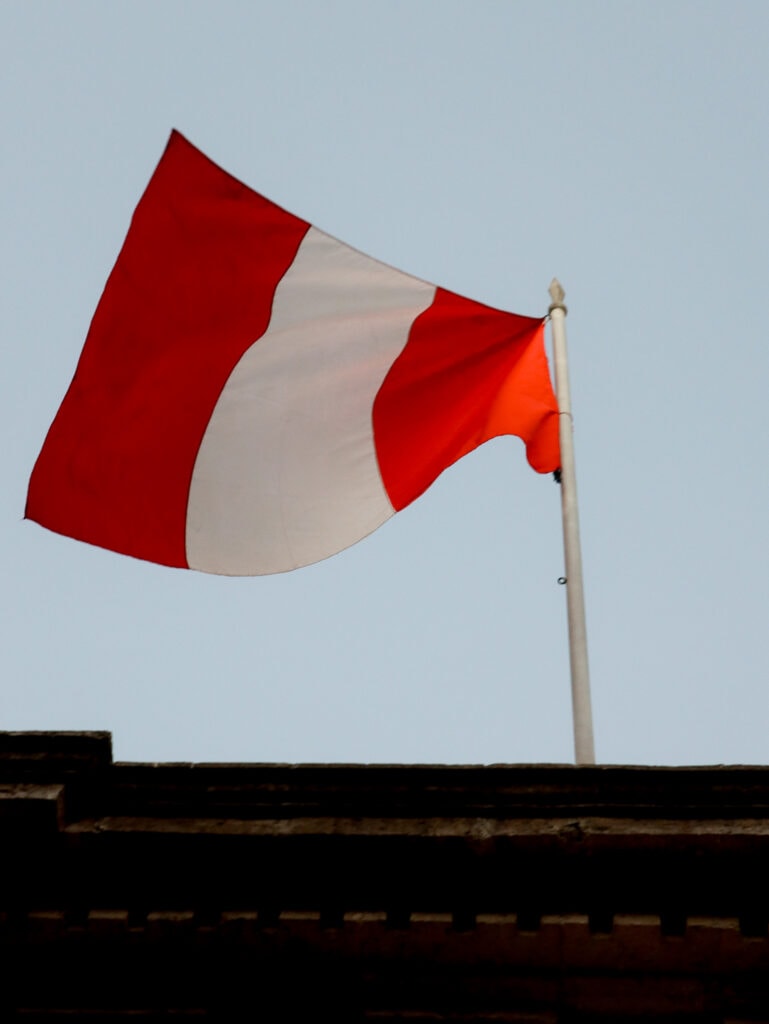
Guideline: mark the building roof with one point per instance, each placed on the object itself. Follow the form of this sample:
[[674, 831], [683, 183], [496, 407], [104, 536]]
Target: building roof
[[379, 892]]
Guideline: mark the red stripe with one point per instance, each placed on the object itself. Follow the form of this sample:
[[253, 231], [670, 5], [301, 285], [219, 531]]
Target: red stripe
[[192, 289], [467, 374]]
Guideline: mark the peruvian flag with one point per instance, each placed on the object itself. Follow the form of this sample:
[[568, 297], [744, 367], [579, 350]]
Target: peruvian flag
[[254, 395]]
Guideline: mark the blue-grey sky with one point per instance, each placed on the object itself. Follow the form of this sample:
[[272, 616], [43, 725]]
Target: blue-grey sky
[[484, 146]]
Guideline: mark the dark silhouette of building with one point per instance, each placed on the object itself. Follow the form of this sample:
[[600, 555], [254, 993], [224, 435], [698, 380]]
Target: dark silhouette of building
[[261, 892]]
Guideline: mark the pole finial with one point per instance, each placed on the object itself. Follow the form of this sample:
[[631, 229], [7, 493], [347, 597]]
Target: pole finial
[[557, 294]]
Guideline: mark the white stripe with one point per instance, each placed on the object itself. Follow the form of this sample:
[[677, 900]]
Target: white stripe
[[287, 472]]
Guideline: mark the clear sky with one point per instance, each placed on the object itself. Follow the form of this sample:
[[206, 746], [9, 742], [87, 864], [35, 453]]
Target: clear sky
[[484, 146]]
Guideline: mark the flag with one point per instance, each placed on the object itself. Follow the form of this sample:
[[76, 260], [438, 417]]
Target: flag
[[254, 395]]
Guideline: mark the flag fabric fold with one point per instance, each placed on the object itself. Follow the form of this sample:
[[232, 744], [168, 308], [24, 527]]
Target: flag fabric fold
[[254, 395]]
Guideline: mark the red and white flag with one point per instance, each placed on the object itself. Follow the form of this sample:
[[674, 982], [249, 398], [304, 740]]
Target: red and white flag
[[254, 395]]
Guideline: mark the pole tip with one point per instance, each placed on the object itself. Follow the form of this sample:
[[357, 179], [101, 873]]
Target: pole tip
[[557, 294]]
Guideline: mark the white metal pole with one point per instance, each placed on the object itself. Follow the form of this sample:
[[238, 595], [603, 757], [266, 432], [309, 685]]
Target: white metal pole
[[584, 750]]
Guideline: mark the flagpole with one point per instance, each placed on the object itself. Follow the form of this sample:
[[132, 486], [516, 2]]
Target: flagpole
[[584, 750]]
